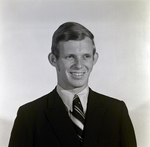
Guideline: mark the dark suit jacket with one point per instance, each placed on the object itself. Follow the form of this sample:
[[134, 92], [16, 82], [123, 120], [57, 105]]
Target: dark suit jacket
[[45, 123]]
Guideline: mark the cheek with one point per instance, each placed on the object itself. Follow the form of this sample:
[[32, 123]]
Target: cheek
[[89, 65], [62, 67]]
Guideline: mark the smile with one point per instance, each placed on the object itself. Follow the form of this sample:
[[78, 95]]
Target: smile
[[77, 73]]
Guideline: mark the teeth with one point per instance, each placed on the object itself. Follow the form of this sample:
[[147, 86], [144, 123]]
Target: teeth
[[77, 74]]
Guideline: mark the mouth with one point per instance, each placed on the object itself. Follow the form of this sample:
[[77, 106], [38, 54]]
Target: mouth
[[77, 74]]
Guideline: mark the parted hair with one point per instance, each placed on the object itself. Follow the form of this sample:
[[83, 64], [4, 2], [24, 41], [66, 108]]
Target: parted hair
[[70, 31]]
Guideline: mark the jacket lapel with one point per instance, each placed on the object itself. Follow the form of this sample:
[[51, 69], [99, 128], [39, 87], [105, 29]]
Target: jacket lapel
[[60, 121], [94, 117]]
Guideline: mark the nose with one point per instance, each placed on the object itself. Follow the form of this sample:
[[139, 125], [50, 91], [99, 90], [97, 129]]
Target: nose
[[78, 63]]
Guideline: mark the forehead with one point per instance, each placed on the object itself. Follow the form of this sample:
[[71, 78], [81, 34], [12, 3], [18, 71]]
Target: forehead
[[76, 46]]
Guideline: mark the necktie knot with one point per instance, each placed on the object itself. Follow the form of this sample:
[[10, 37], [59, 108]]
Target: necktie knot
[[77, 103]]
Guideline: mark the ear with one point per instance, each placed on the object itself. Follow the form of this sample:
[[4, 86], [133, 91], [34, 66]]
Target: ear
[[95, 57], [52, 59]]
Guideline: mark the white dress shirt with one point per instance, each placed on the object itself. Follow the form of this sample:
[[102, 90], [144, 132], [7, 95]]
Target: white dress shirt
[[67, 98]]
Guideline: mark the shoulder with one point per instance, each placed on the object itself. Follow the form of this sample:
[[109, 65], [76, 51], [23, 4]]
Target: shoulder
[[38, 104], [113, 107], [107, 101]]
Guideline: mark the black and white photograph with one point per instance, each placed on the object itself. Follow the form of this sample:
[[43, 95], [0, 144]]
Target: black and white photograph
[[74, 73]]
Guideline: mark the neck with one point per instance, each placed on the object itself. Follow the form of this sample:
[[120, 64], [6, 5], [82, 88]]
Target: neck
[[74, 90]]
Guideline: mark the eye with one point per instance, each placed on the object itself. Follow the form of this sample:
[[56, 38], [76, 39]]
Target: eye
[[69, 57], [87, 56]]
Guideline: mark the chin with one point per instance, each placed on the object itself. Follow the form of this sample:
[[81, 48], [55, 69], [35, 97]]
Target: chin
[[79, 85]]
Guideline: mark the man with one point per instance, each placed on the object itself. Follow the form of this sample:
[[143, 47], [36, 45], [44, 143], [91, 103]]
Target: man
[[73, 115]]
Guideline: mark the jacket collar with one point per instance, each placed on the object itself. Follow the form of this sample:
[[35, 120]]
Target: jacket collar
[[60, 121], [63, 126], [94, 118]]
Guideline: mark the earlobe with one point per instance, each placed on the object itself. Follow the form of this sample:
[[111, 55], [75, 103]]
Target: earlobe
[[95, 57], [52, 59]]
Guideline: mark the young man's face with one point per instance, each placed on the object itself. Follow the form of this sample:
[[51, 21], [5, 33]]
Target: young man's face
[[75, 63]]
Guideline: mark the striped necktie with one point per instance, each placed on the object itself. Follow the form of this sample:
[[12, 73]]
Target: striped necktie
[[78, 116]]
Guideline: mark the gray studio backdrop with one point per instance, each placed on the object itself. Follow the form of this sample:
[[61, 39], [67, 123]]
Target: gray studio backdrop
[[122, 37]]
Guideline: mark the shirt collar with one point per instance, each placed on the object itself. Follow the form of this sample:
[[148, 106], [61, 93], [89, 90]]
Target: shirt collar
[[67, 97]]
